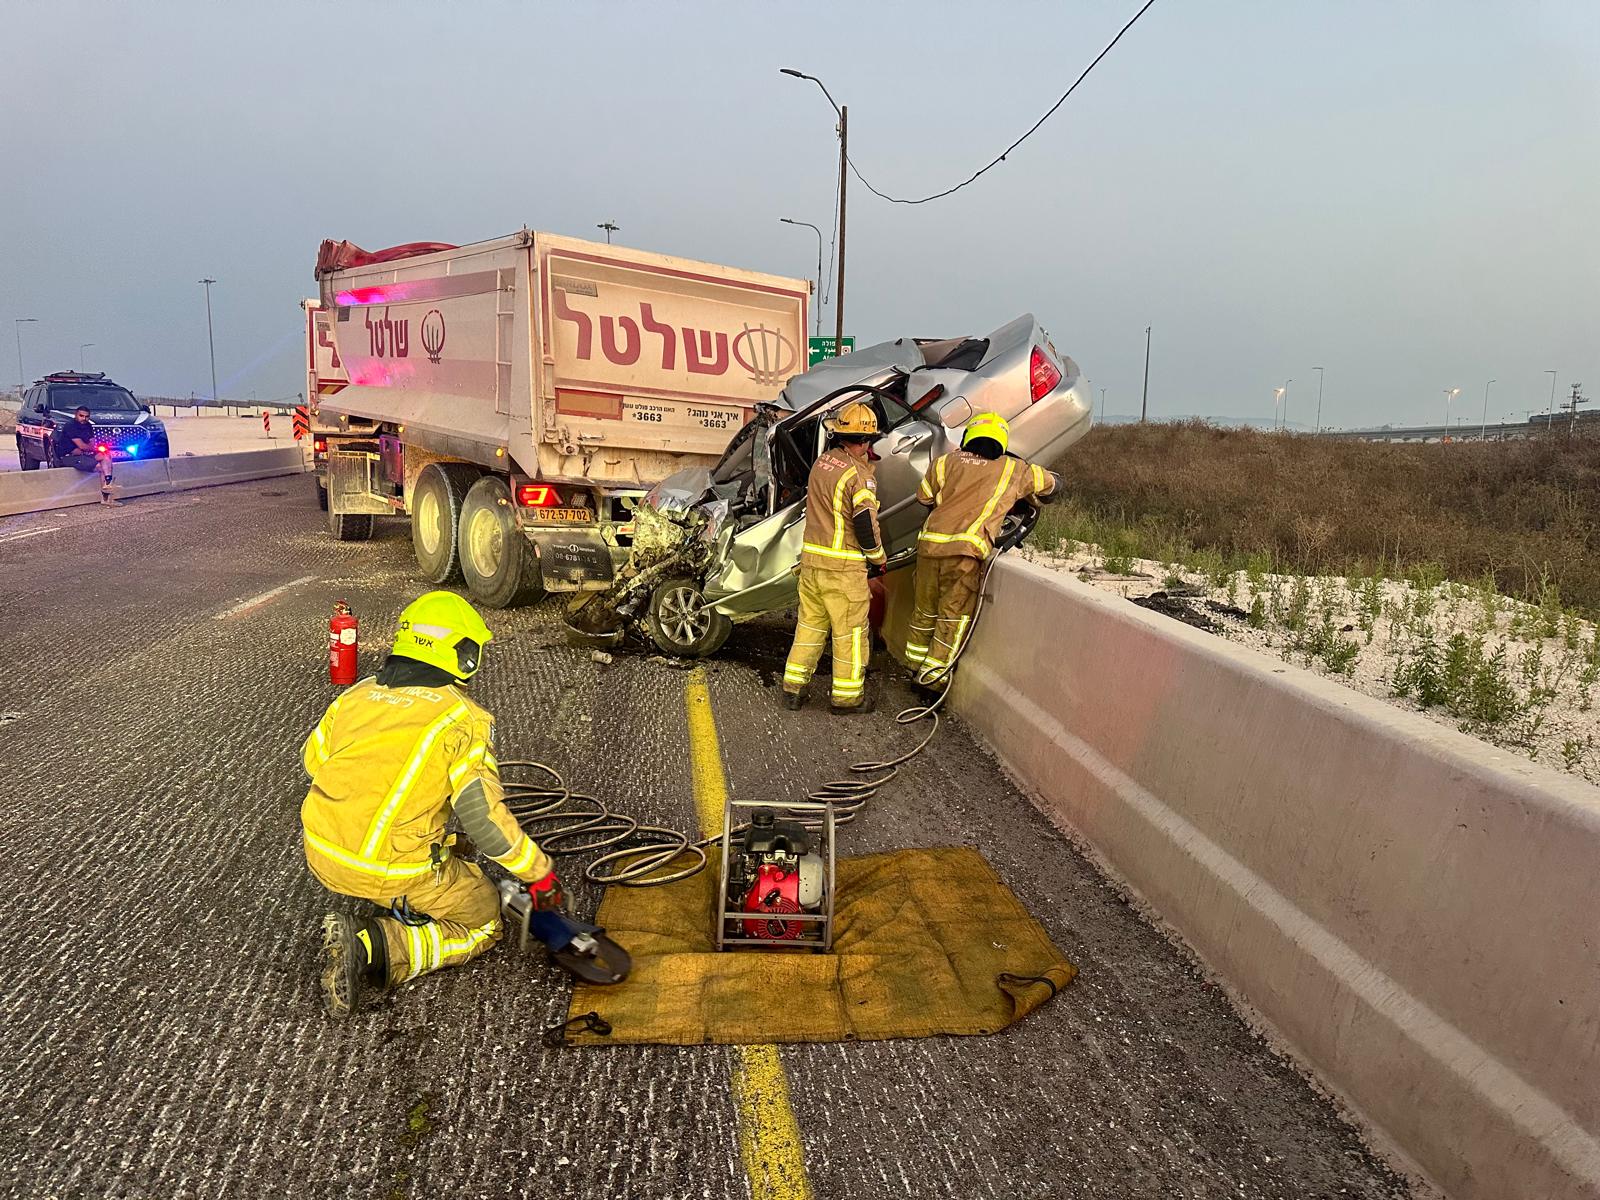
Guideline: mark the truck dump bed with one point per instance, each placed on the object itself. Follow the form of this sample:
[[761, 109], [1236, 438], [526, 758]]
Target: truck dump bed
[[580, 361]]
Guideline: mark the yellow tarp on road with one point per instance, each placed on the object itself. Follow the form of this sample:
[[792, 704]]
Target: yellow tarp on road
[[927, 942]]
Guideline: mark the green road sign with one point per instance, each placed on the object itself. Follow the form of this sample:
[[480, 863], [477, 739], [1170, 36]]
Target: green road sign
[[822, 347]]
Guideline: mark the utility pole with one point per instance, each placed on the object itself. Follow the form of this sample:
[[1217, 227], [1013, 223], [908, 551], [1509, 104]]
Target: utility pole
[[610, 227], [818, 232], [1577, 399], [211, 341], [844, 178], [1550, 415], [82, 346], [1318, 370], [1483, 434], [22, 376], [1144, 401]]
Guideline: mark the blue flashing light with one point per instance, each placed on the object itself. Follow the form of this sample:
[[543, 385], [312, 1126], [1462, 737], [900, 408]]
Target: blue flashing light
[[133, 450]]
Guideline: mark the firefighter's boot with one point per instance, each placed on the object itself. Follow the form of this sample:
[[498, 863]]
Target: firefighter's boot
[[794, 701], [354, 959]]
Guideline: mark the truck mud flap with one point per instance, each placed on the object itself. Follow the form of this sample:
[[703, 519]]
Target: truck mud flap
[[573, 560]]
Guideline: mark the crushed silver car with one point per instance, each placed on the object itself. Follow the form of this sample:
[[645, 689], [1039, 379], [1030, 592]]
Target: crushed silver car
[[715, 547]]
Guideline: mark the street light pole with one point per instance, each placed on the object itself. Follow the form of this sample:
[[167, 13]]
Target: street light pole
[[818, 232], [1144, 401], [1318, 370], [82, 346], [1449, 395], [1102, 406], [610, 227], [1277, 399], [1550, 415], [1286, 384], [844, 179], [22, 376], [1483, 434], [211, 341]]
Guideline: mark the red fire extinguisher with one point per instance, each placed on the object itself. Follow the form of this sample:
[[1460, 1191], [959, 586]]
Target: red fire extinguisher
[[343, 650]]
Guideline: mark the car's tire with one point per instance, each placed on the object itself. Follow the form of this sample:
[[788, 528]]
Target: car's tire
[[25, 460], [497, 561], [50, 458], [436, 502], [350, 527], [322, 494], [680, 626]]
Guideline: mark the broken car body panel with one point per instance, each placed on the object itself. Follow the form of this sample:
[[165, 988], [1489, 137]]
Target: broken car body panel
[[743, 521]]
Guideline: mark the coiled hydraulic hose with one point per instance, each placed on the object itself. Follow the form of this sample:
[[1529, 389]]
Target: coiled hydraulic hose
[[565, 822]]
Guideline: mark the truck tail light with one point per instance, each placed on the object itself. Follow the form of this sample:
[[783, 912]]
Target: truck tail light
[[1043, 375], [537, 495], [319, 445]]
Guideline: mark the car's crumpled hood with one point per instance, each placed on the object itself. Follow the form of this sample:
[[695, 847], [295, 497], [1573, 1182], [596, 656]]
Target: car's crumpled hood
[[833, 373]]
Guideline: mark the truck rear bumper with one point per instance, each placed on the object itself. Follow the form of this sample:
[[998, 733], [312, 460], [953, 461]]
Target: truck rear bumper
[[572, 560]]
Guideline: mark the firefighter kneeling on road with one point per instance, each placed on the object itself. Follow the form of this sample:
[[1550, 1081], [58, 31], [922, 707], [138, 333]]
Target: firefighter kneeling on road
[[843, 547], [970, 491], [390, 760]]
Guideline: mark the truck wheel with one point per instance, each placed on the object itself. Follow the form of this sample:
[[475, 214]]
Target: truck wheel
[[680, 625], [350, 527], [436, 502], [322, 495], [499, 564]]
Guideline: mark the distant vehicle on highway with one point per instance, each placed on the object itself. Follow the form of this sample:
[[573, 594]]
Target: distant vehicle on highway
[[126, 427]]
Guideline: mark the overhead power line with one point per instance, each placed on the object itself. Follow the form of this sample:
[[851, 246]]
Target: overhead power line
[[1001, 157]]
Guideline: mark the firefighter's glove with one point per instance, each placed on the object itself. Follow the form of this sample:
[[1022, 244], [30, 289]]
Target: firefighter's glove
[[877, 570], [546, 894]]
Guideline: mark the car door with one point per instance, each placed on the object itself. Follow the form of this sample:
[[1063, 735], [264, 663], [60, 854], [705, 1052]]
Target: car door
[[31, 424], [904, 453]]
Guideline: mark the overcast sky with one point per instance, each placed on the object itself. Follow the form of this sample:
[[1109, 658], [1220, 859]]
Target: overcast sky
[[1406, 192]]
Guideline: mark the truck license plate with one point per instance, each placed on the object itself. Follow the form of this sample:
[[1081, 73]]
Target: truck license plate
[[577, 515]]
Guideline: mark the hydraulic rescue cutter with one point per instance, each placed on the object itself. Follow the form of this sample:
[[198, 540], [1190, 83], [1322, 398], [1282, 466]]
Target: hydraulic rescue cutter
[[580, 949], [777, 877]]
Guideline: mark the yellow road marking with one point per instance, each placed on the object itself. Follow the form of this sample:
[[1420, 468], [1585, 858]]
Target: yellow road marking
[[769, 1134]]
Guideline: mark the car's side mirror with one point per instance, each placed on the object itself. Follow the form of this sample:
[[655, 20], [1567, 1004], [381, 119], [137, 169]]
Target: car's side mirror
[[146, 408]]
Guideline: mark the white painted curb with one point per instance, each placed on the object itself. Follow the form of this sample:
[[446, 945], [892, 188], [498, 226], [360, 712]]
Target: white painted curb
[[1414, 912], [64, 487]]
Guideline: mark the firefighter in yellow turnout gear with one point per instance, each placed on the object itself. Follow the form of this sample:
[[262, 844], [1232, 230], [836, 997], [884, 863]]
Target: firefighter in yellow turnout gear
[[970, 491], [842, 546], [389, 762]]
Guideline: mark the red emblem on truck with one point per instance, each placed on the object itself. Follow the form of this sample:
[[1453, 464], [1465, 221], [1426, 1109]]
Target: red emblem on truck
[[433, 334]]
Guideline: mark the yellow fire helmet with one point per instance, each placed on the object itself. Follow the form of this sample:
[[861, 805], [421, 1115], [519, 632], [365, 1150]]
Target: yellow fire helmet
[[444, 631], [988, 425], [854, 420]]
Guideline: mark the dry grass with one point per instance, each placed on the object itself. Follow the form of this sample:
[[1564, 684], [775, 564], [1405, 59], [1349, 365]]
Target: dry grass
[[1526, 514]]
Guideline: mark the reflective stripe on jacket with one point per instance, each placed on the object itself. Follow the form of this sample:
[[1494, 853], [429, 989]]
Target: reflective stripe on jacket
[[387, 767], [970, 496], [838, 488]]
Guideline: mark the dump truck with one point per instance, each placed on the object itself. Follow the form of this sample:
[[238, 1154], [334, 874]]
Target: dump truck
[[514, 398]]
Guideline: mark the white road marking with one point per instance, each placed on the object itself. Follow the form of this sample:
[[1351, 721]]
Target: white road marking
[[254, 602], [17, 537]]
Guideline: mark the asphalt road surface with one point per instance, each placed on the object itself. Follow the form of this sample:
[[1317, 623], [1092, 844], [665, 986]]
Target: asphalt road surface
[[160, 1016]]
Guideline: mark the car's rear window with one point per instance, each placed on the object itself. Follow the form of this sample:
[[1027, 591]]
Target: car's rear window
[[95, 399]]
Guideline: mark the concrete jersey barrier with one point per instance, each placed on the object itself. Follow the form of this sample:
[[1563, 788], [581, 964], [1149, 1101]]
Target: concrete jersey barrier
[[65, 487], [1416, 913]]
